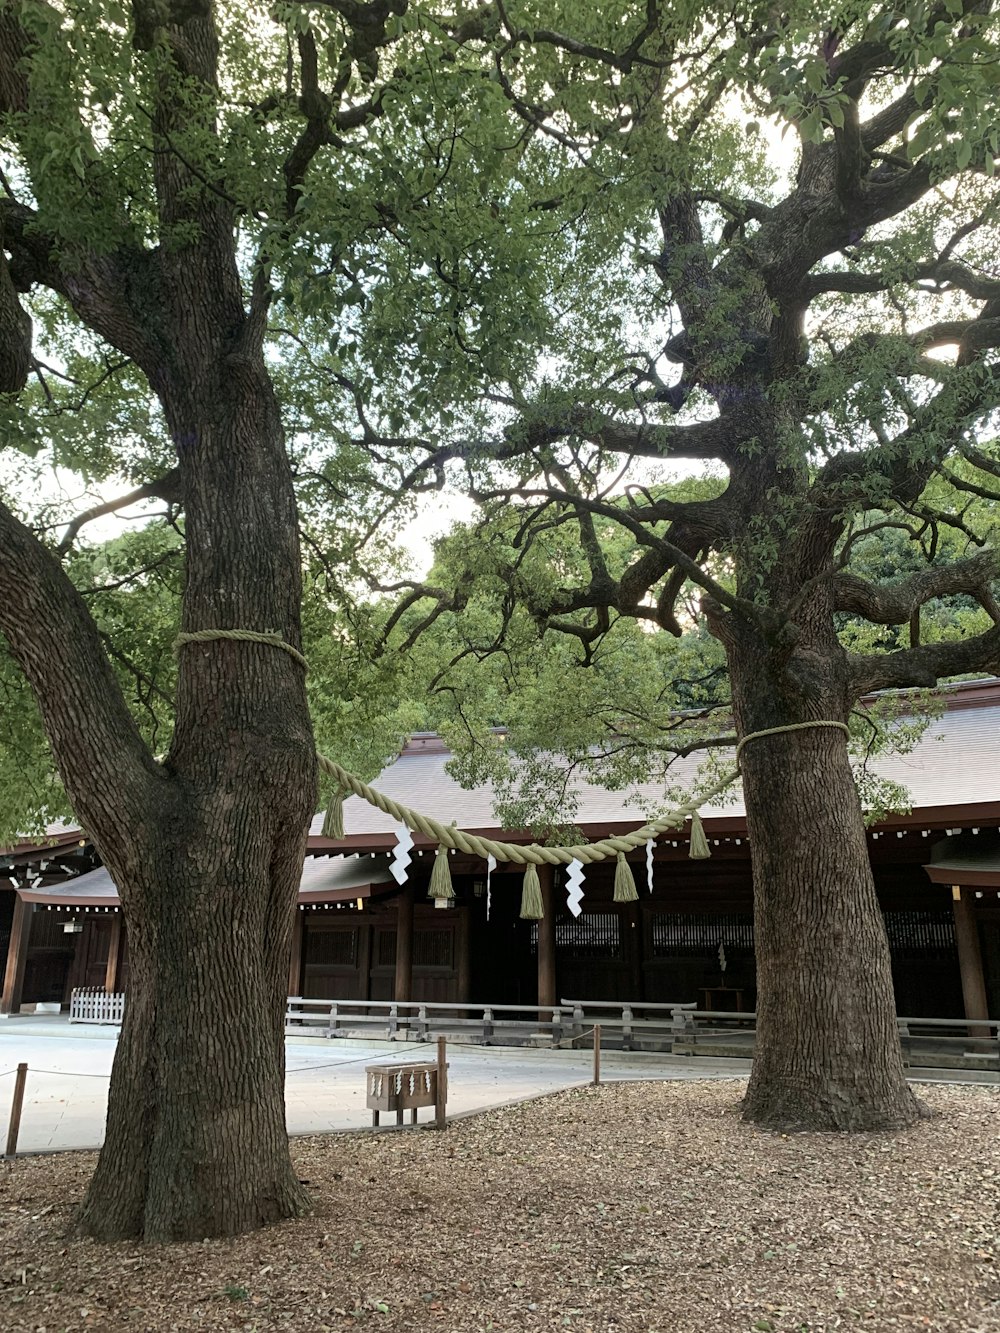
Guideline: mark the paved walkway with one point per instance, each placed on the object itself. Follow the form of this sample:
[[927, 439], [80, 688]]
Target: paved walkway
[[68, 1068]]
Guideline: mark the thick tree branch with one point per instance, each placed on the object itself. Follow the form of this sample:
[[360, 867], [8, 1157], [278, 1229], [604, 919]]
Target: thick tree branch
[[316, 108], [476, 27], [164, 488], [626, 517], [923, 665], [890, 122], [108, 772], [367, 24], [895, 603], [104, 289], [904, 463]]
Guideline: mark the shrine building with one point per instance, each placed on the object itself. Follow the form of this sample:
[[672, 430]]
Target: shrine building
[[360, 935]]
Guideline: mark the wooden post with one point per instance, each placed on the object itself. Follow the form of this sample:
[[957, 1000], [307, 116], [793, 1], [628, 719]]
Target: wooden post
[[597, 1055], [295, 962], [970, 960], [17, 957], [632, 921], [441, 1101], [463, 957], [15, 1110], [114, 949], [366, 939], [547, 943], [403, 989]]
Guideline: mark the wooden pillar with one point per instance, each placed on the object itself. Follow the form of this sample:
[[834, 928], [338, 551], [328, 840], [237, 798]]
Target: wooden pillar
[[463, 928], [547, 941], [970, 959], [17, 957], [295, 962], [114, 952], [403, 991], [366, 940], [632, 922]]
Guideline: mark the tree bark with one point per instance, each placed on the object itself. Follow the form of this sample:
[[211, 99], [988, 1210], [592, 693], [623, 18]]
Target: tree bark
[[206, 848], [828, 1055], [196, 1143]]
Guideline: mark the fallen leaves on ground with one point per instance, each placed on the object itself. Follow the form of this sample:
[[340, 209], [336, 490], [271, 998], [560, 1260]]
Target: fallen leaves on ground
[[645, 1206]]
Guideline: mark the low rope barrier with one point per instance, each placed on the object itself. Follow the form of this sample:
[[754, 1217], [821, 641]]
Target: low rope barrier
[[65, 1073], [403, 1058], [580, 1036]]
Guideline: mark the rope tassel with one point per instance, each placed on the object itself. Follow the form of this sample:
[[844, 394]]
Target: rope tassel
[[532, 908], [625, 890], [333, 820], [441, 886], [699, 843]]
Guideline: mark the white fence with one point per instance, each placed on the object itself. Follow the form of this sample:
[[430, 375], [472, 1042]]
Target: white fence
[[96, 1006]]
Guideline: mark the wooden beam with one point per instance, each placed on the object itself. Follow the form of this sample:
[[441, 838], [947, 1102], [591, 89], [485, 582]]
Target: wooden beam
[[403, 988], [295, 962], [441, 1086], [114, 954], [547, 941], [463, 955], [632, 925], [970, 959], [17, 957], [15, 1109], [366, 939]]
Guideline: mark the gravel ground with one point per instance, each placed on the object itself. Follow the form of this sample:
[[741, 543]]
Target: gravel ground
[[631, 1207]]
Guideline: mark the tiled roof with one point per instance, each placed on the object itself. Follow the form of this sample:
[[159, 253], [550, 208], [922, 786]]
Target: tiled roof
[[955, 763], [96, 888], [324, 879]]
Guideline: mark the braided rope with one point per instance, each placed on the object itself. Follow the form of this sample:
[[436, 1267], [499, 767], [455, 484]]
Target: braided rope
[[792, 726], [447, 835], [534, 854], [241, 635]]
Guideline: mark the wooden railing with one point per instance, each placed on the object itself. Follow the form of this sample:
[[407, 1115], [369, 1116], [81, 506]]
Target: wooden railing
[[931, 1042], [678, 1028], [633, 1019], [488, 1023], [418, 1019], [92, 1005], [928, 1043]]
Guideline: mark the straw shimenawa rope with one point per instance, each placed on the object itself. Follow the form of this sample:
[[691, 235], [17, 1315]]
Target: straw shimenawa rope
[[533, 854], [793, 726], [241, 635], [447, 835]]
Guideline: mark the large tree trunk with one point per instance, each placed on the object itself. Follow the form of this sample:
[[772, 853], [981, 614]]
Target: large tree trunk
[[196, 1143], [828, 1054], [206, 847]]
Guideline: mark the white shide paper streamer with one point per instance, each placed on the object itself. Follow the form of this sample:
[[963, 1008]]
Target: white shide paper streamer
[[491, 865], [401, 857], [574, 893]]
